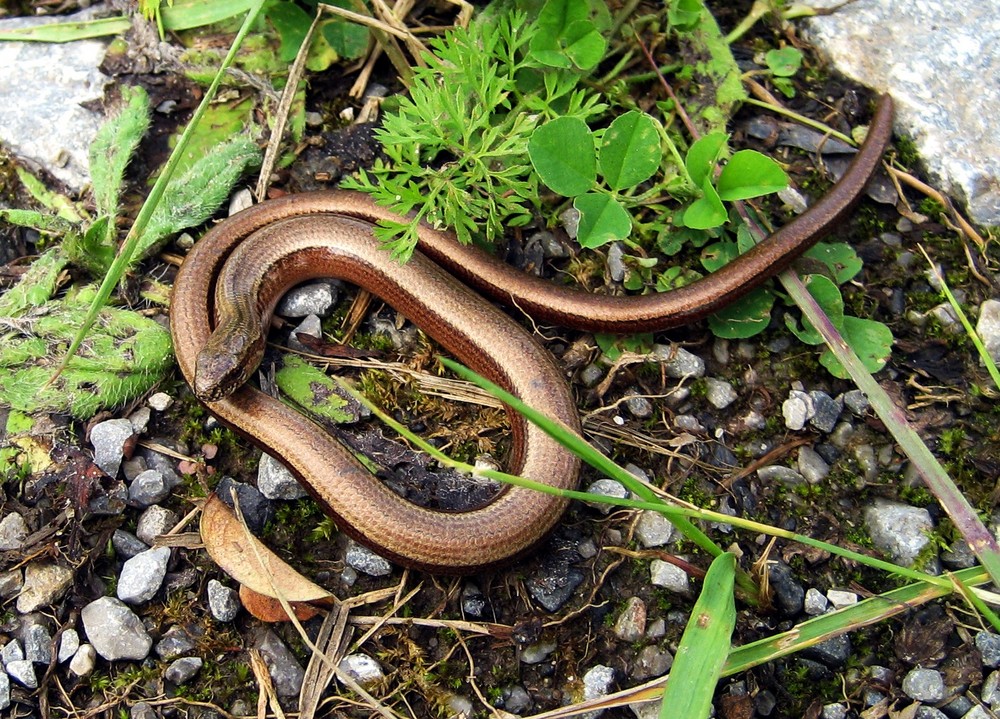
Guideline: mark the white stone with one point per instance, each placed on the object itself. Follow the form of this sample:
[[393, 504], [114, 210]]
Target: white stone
[[13, 532], [362, 669], [51, 83], [669, 576], [840, 599], [84, 660], [920, 52]]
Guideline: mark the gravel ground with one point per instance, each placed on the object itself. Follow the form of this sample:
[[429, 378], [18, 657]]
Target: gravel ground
[[113, 608]]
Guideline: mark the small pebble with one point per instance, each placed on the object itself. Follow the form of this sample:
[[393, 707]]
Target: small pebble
[[109, 439], [815, 603], [142, 710], [857, 402], [126, 544], [538, 652], [473, 601], [148, 488], [719, 393], [363, 669], [223, 601], [153, 522], [653, 529], [516, 700], [670, 577], [988, 327], [678, 362], [631, 623], [114, 630], [840, 599], [988, 645], [11, 652], [797, 409], [286, 672], [142, 575], [315, 298], [826, 410], [176, 642], [864, 455], [778, 473], [591, 375], [789, 594], [608, 488], [44, 583], [978, 712], [924, 685], [160, 401], [275, 481], [689, 423], [832, 653], [23, 672], [11, 583], [13, 532], [834, 711], [311, 326], [37, 643], [639, 407], [598, 682], [69, 643], [182, 670], [367, 561], [811, 465], [652, 662], [899, 530]]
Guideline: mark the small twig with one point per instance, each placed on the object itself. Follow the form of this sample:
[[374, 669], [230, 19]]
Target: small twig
[[678, 106], [284, 110], [966, 227]]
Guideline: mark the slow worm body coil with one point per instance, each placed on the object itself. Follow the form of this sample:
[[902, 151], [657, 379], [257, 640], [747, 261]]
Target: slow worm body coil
[[242, 267]]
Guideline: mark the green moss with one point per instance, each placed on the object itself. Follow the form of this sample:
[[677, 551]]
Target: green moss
[[906, 150]]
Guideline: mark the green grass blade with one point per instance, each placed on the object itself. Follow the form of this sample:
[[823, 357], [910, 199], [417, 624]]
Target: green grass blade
[[68, 31], [576, 444], [977, 341], [827, 626], [182, 15], [704, 646]]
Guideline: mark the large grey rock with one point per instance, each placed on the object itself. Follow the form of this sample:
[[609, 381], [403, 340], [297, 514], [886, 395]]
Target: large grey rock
[[920, 51], [51, 82], [114, 630]]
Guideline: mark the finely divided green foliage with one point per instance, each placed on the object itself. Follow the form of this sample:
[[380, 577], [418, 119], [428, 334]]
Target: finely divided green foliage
[[502, 109], [456, 148]]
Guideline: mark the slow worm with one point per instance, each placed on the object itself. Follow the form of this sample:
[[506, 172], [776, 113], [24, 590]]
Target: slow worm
[[256, 255]]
